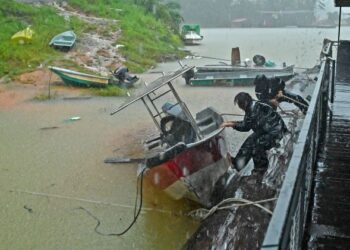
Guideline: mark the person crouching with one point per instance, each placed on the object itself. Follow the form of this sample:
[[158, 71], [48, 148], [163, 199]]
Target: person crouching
[[268, 129], [272, 91]]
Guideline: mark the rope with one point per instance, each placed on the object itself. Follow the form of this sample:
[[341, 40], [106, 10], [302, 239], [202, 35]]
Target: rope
[[295, 101], [136, 214], [104, 203], [203, 213], [215, 58], [222, 114]]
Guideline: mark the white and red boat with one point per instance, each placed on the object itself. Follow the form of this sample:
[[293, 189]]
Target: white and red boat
[[191, 154]]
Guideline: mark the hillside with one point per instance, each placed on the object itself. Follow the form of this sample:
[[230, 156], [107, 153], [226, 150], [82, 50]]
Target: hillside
[[109, 34]]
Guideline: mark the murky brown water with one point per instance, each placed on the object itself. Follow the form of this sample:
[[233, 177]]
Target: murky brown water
[[45, 175]]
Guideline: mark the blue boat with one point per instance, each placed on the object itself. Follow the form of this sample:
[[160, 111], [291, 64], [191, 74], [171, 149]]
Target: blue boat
[[65, 40]]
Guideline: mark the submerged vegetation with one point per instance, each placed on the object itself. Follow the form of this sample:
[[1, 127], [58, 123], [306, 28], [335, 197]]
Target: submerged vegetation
[[109, 91], [147, 36]]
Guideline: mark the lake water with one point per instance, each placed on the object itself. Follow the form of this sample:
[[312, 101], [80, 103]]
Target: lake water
[[48, 174]]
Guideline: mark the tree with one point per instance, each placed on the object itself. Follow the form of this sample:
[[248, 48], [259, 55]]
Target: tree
[[168, 12]]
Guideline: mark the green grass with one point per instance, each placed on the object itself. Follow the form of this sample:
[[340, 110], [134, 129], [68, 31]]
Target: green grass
[[45, 96], [109, 91], [17, 58], [145, 39]]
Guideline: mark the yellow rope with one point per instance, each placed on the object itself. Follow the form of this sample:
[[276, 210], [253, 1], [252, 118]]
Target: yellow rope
[[203, 213]]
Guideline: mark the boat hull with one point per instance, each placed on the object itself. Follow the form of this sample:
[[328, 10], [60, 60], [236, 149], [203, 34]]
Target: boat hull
[[233, 68], [65, 40], [192, 174], [192, 38], [192, 41], [232, 78], [78, 79]]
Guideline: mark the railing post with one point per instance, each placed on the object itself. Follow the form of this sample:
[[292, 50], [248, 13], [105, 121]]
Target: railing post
[[332, 82]]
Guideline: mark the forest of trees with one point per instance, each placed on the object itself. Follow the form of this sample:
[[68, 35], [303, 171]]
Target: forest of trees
[[220, 13], [234, 13]]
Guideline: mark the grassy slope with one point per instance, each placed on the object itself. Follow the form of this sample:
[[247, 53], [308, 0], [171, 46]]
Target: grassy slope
[[146, 40], [16, 58]]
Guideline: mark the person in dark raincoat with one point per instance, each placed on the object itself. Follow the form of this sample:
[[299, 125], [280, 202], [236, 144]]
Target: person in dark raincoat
[[268, 129], [272, 91]]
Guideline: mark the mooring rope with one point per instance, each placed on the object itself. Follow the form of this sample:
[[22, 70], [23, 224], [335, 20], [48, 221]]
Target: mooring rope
[[294, 101], [136, 211], [203, 213]]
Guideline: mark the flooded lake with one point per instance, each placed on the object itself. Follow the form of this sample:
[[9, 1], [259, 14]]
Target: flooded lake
[[52, 166]]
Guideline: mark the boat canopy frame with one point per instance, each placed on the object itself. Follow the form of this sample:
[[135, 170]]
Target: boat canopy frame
[[148, 100]]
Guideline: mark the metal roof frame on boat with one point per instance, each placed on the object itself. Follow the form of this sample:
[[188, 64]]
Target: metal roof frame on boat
[[342, 3], [144, 95]]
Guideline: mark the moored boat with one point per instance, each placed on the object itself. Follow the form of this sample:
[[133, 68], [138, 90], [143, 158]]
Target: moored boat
[[75, 78], [244, 68], [191, 154], [236, 76], [64, 40], [237, 73], [190, 34]]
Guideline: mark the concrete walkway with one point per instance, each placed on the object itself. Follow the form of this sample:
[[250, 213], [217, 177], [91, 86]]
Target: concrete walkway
[[329, 227]]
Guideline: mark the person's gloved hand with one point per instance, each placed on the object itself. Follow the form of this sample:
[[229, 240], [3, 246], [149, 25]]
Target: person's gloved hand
[[227, 124], [274, 102], [279, 94]]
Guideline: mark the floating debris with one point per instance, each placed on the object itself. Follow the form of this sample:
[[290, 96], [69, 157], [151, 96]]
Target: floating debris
[[28, 209], [75, 118], [47, 128]]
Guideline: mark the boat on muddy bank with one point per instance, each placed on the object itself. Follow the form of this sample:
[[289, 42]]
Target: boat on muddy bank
[[119, 78], [64, 40]]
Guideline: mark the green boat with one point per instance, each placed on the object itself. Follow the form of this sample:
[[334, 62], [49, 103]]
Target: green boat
[[119, 78], [234, 76], [65, 40], [190, 34]]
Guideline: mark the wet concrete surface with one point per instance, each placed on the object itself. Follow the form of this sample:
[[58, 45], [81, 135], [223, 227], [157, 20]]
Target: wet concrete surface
[[329, 227]]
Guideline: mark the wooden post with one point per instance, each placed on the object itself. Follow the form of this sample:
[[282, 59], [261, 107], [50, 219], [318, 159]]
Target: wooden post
[[49, 94], [235, 56]]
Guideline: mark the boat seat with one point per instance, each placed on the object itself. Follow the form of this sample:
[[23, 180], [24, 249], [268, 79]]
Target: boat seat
[[166, 155], [208, 120]]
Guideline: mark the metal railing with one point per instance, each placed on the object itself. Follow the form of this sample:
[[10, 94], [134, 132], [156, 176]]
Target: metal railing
[[286, 228]]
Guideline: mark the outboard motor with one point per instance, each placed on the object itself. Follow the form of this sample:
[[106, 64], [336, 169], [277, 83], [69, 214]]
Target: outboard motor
[[188, 75], [259, 60], [122, 74]]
